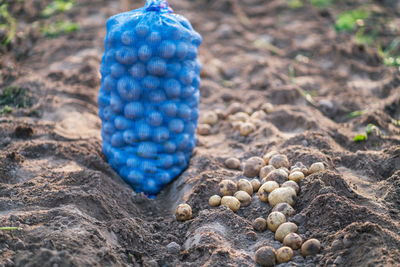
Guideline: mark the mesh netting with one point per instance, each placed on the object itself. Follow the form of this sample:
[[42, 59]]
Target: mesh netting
[[149, 95]]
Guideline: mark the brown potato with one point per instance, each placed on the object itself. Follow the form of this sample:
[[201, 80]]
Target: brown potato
[[256, 184], [246, 128], [282, 194], [264, 171], [183, 212], [293, 240], [316, 167], [252, 166], [296, 176], [279, 161], [279, 176], [269, 155], [243, 197], [265, 189], [239, 116], [245, 185], [259, 115], [275, 219], [260, 224], [266, 256], [284, 229], [208, 117], [227, 187], [310, 247], [291, 184], [230, 202], [285, 208], [232, 163], [203, 129], [267, 107], [214, 201], [284, 254]]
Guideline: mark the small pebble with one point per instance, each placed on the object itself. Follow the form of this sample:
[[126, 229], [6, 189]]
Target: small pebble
[[203, 129], [338, 260], [299, 219], [173, 248], [232, 163]]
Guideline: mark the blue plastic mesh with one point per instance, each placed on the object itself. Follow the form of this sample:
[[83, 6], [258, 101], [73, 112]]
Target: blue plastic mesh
[[149, 95]]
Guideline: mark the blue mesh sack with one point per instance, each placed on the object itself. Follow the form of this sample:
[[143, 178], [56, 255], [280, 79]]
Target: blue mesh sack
[[149, 95]]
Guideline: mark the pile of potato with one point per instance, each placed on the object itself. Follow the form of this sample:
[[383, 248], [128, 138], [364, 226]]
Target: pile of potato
[[278, 186]]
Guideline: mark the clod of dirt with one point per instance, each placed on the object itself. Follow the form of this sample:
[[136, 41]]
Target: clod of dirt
[[285, 208], [293, 240], [183, 212], [227, 187], [260, 224], [245, 185], [243, 197], [230, 202], [310, 247], [23, 132], [284, 229], [284, 254], [266, 256], [252, 166], [275, 219], [232, 163]]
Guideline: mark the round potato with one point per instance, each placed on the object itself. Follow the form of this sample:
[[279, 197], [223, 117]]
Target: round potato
[[279, 160], [260, 224], [232, 163], [265, 189], [281, 195], [214, 201], [246, 128], [296, 176], [284, 229], [275, 219], [284, 254], [310, 247], [267, 107], [291, 184], [203, 129], [269, 155], [183, 212], [245, 185], [255, 183], [264, 171], [252, 166], [230, 202], [266, 256], [280, 176], [208, 117], [293, 240], [285, 208], [316, 167], [243, 197], [259, 115], [227, 187]]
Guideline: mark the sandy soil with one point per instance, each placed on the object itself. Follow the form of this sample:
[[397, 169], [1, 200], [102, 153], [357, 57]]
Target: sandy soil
[[74, 210]]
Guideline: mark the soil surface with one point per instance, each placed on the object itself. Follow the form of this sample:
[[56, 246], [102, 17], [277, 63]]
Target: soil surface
[[74, 210]]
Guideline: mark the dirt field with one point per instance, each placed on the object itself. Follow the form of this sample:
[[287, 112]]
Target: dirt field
[[74, 210]]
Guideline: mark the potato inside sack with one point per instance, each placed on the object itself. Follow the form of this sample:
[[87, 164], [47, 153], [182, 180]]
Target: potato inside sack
[[282, 195], [275, 219], [227, 187]]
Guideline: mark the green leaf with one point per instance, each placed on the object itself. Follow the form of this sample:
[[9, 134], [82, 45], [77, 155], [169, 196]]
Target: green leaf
[[321, 3], [347, 20], [57, 6], [360, 137], [9, 228], [356, 113]]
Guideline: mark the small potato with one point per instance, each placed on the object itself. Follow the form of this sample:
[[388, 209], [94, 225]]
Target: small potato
[[245, 185], [230, 202], [264, 171], [239, 116], [267, 107], [252, 166], [279, 161], [296, 176], [243, 197], [269, 155], [183, 212], [266, 256], [310, 247], [256, 184], [227, 187], [291, 184], [279, 176], [284, 254], [282, 194], [208, 117], [293, 240], [203, 129], [260, 224], [232, 163], [295, 169], [316, 167], [265, 189], [259, 115], [285, 208], [284, 229], [246, 128], [214, 201], [275, 219], [220, 113], [234, 108], [236, 125]]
